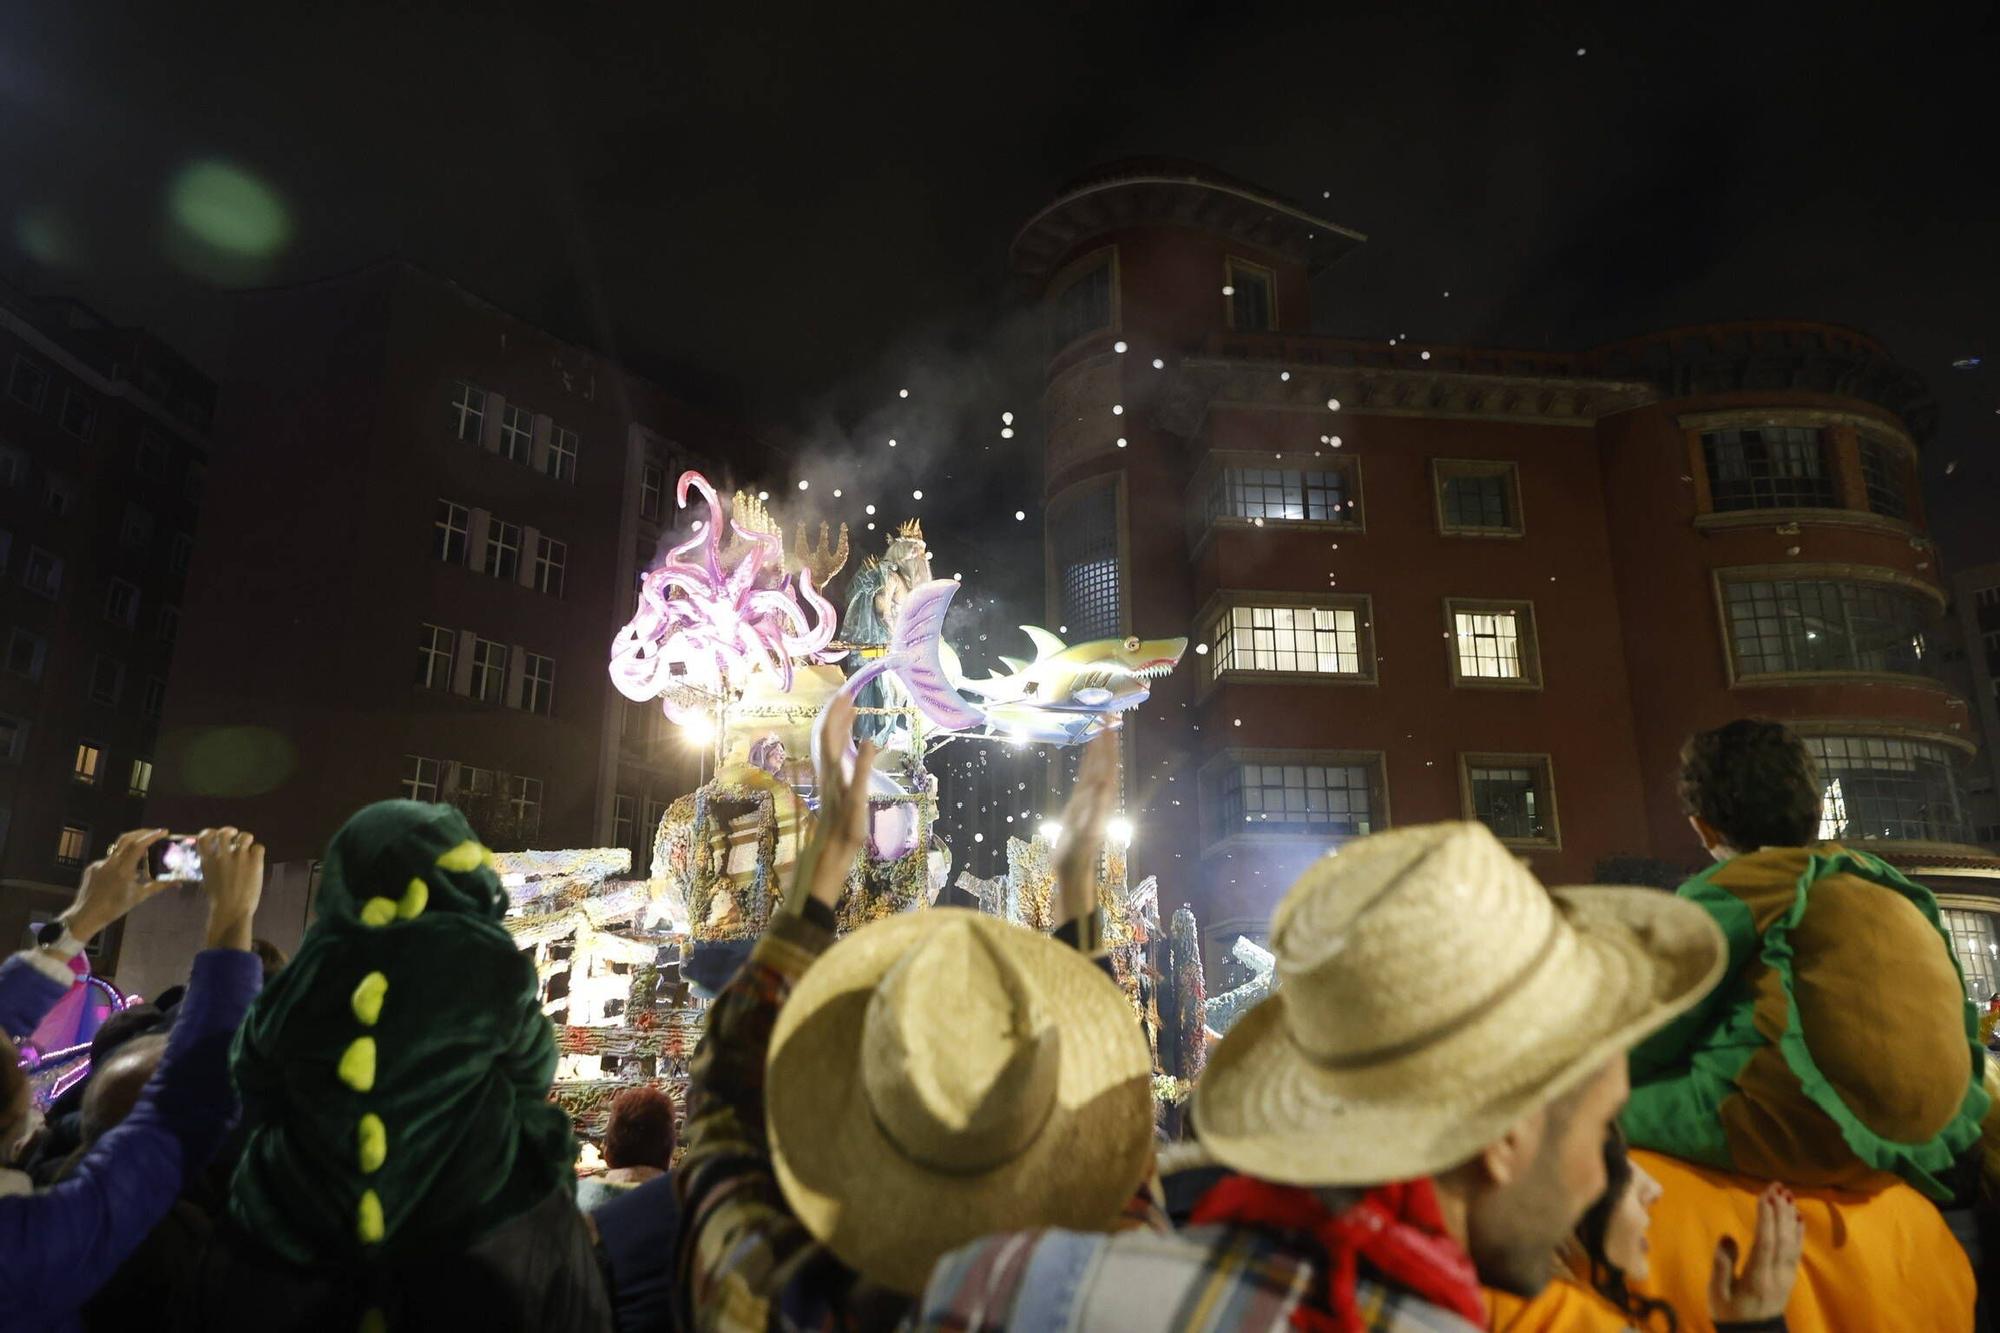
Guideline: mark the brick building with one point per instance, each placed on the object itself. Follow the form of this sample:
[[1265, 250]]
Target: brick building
[[1427, 582], [103, 446], [435, 515]]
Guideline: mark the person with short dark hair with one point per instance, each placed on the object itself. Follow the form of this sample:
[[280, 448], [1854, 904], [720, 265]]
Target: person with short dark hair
[[1808, 1065], [638, 1145]]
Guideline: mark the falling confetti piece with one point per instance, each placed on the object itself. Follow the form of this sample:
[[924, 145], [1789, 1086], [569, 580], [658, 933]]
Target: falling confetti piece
[[1284, 374], [1333, 404], [1020, 515], [1228, 290], [805, 485], [1121, 441], [1201, 650], [1159, 364], [870, 508], [1006, 432], [1425, 355], [1118, 346], [1118, 409], [902, 393]]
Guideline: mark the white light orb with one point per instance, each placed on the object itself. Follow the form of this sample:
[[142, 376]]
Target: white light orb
[[1121, 441], [1201, 650], [1333, 404], [1118, 346], [1020, 515], [916, 495], [869, 508], [805, 485]]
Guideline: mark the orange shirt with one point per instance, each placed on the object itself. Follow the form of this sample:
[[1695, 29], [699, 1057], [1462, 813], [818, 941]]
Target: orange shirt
[[1565, 1306]]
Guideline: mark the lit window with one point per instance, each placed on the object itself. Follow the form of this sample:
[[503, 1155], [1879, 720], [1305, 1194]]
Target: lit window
[[1083, 305], [1887, 787], [525, 796], [652, 482], [72, 845], [420, 778], [1975, 938], [1779, 625], [107, 680], [434, 653], [1477, 497], [79, 414], [489, 671], [561, 462], [156, 696], [25, 652], [503, 549], [121, 602], [43, 574], [1512, 795], [1316, 640], [152, 457], [1493, 643], [142, 778], [517, 434], [1767, 467], [468, 412], [1886, 476], [1251, 303], [450, 528], [1083, 541], [538, 684], [28, 382], [1310, 799], [89, 758], [550, 557]]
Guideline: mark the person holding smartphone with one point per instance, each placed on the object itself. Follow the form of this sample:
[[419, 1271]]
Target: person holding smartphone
[[59, 1245]]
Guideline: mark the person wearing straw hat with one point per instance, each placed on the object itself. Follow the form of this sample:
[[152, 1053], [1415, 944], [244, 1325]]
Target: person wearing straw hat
[[1392, 1143], [857, 1109]]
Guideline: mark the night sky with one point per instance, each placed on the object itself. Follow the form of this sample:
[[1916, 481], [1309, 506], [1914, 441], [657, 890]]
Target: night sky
[[796, 212]]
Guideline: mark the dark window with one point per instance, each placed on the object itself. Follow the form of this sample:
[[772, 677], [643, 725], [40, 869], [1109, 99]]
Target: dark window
[[538, 684], [448, 534], [156, 696], [468, 412], [180, 553], [561, 462], [489, 671], [1476, 502], [1883, 471], [25, 652], [517, 434], [152, 459], [550, 558], [43, 574], [1250, 301], [1767, 467], [1084, 306], [197, 475], [28, 382], [434, 656], [503, 549], [651, 484], [79, 414], [121, 602], [107, 680], [1298, 798], [170, 623], [1511, 799], [1822, 625], [1084, 542]]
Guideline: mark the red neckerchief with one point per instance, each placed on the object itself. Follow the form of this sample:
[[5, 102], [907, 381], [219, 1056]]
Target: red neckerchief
[[1397, 1228]]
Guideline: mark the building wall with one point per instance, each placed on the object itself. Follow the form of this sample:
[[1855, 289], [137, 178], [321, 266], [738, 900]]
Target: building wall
[[103, 441]]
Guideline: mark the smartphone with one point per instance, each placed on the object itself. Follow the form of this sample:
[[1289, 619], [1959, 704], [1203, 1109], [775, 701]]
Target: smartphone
[[174, 857]]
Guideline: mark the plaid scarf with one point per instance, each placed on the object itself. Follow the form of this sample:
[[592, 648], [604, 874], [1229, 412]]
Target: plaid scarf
[[1397, 1228]]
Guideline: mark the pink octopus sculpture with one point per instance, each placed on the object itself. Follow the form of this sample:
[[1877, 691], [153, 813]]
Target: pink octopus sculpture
[[708, 628]]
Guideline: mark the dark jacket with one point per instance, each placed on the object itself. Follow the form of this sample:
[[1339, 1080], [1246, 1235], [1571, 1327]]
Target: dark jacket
[[637, 1232]]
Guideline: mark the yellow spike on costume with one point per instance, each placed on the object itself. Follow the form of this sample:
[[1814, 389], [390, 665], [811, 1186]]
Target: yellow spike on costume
[[378, 911], [371, 1140], [368, 1218], [911, 529], [367, 998], [464, 857], [357, 1064], [415, 899], [488, 859]]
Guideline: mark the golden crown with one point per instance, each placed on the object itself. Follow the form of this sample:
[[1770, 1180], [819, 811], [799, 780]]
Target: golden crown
[[748, 512], [912, 530]]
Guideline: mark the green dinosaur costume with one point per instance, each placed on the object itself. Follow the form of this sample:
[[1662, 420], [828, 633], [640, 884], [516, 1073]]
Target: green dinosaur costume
[[395, 1075], [1839, 1048]]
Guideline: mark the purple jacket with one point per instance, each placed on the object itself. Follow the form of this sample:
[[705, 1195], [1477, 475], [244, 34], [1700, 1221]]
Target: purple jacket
[[59, 1245]]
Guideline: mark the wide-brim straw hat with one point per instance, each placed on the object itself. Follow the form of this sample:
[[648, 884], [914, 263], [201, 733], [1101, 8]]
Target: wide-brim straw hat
[[942, 1075], [1433, 993]]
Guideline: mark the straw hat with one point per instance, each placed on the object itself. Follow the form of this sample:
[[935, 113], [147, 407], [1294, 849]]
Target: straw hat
[[941, 1075], [1433, 994]]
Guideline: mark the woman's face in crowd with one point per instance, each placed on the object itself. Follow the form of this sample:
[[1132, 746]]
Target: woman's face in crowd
[[1625, 1236]]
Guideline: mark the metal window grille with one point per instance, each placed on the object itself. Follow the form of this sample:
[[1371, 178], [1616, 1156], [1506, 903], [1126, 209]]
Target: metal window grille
[[489, 671], [503, 550], [1767, 467], [1084, 535], [468, 412], [1510, 801], [420, 778], [1883, 787], [1298, 798], [561, 462], [449, 532], [1824, 625], [1477, 502], [1489, 644], [435, 646], [1882, 472], [1082, 307], [1321, 640], [1975, 938], [517, 434]]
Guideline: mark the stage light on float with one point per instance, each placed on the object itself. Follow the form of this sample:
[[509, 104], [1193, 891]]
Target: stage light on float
[[1051, 832], [1120, 830], [698, 730]]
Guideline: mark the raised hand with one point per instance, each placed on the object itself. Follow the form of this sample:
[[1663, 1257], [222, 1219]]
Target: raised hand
[[114, 885], [1091, 802], [842, 826], [1761, 1290], [232, 875]]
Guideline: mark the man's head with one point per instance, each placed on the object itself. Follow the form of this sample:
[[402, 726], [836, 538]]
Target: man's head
[[641, 1129], [1749, 784], [1522, 1194], [115, 1085]]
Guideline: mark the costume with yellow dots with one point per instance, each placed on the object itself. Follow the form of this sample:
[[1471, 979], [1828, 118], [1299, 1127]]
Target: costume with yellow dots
[[395, 1075]]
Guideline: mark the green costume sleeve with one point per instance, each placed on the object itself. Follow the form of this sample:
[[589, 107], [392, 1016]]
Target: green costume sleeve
[[1666, 1052]]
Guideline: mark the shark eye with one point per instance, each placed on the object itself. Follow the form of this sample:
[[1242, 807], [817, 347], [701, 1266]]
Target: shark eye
[[1132, 644]]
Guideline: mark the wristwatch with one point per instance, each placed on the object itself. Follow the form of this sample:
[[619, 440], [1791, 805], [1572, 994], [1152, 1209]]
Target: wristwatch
[[54, 937]]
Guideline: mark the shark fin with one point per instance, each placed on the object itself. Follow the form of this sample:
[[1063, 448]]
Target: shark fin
[[1046, 644]]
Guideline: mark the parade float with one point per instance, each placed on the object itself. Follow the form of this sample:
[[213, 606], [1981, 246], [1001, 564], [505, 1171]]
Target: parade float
[[735, 639]]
